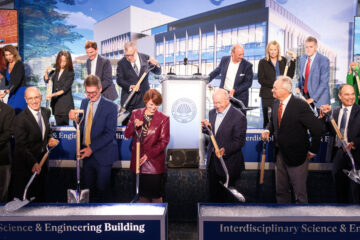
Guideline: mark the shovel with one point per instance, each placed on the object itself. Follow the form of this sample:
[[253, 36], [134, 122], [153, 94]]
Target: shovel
[[137, 166], [78, 195], [353, 174], [122, 112], [232, 190], [17, 203]]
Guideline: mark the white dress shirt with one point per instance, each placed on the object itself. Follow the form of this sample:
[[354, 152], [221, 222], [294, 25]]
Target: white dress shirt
[[93, 65], [231, 75]]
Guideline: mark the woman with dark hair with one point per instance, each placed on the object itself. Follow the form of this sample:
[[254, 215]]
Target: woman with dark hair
[[62, 79], [155, 135], [14, 79], [269, 68]]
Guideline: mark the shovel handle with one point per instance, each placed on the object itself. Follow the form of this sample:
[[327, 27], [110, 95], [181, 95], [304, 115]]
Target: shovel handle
[[78, 156], [137, 158], [43, 159], [262, 165]]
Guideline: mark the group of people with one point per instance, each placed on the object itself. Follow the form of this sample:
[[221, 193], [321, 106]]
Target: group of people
[[290, 121]]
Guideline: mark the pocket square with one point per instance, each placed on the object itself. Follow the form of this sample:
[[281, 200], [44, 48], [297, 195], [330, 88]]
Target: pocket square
[[242, 74]]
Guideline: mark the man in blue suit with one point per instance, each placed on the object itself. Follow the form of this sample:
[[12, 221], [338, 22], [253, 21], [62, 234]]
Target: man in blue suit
[[229, 127], [236, 74], [98, 136], [314, 75]]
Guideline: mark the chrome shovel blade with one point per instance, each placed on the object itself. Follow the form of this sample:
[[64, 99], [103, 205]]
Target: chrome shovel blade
[[353, 175], [121, 117], [236, 194], [15, 205], [73, 196]]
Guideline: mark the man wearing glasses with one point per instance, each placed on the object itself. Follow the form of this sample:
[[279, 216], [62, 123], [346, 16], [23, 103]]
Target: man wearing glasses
[[98, 138], [129, 70], [32, 133]]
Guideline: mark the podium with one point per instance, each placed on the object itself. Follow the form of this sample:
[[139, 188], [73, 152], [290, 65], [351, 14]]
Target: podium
[[184, 102]]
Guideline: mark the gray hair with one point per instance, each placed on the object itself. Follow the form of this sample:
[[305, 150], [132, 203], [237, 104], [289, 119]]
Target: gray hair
[[285, 83], [223, 92], [131, 44], [236, 45], [32, 88], [343, 85]]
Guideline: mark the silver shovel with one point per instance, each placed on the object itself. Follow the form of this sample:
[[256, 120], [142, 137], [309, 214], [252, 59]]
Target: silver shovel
[[232, 190], [78, 195], [17, 203]]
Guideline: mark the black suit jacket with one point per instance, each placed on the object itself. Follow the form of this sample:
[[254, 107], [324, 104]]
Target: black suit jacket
[[61, 105], [104, 72], [243, 79], [126, 76], [17, 77], [29, 145], [353, 130], [292, 136], [231, 136], [7, 115], [267, 75]]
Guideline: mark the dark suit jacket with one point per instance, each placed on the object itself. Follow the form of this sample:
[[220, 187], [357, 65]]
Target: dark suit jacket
[[292, 136], [243, 79], [267, 75], [126, 76], [7, 115], [231, 135], [103, 131], [153, 144], [104, 72], [29, 145], [353, 130], [61, 105], [17, 77]]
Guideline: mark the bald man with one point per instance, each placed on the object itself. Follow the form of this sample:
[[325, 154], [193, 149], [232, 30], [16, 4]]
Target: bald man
[[229, 127], [236, 74], [32, 133]]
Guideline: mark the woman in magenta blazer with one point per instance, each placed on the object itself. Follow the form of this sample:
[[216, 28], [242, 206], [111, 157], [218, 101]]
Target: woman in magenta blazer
[[155, 137]]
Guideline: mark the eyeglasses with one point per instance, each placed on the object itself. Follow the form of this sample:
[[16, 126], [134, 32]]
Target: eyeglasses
[[130, 55], [33, 98], [92, 93]]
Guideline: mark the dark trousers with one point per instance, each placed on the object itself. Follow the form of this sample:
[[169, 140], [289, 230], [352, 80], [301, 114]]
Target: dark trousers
[[216, 191], [97, 179], [347, 191], [62, 120], [266, 103]]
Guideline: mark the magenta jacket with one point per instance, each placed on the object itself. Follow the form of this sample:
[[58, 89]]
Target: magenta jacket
[[153, 145]]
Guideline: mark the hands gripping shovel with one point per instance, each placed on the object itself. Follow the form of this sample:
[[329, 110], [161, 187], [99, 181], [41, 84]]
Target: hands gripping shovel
[[232, 190], [78, 195]]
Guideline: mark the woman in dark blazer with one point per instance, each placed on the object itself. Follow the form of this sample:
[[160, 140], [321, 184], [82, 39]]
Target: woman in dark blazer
[[155, 137], [62, 79], [15, 79], [270, 67]]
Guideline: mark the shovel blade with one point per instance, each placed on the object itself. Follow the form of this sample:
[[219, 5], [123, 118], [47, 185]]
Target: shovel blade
[[15, 205], [74, 196], [353, 175], [122, 116], [237, 194]]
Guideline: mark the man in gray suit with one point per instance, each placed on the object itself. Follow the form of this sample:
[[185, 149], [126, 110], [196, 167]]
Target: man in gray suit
[[101, 67]]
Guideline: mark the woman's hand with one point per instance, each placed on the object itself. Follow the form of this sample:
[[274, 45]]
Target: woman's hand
[[143, 159], [138, 123]]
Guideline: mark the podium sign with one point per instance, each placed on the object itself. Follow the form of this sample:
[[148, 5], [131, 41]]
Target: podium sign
[[184, 102]]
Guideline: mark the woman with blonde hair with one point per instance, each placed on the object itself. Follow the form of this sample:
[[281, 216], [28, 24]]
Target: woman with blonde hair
[[269, 68]]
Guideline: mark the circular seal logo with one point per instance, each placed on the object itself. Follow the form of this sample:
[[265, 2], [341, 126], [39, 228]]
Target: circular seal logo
[[183, 110]]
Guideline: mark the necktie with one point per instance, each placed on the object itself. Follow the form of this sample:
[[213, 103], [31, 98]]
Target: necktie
[[342, 125], [136, 69], [279, 114], [88, 125], [307, 71], [40, 123]]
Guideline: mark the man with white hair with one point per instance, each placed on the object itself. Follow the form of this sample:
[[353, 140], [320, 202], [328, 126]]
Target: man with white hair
[[291, 118], [236, 74], [229, 127]]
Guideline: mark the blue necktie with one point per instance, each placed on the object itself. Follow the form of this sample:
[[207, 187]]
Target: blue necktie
[[40, 123], [342, 125]]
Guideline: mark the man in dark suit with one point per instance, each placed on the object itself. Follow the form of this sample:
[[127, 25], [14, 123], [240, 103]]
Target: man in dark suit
[[236, 74], [98, 134], [290, 121], [101, 67], [129, 70], [314, 75], [347, 118], [229, 127], [32, 133], [7, 115]]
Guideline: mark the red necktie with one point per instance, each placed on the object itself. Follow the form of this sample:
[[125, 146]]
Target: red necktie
[[307, 71], [279, 114]]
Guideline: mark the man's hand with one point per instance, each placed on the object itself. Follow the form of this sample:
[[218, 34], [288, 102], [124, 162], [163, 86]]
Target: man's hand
[[153, 61], [310, 156], [85, 152], [205, 123], [134, 88], [52, 142], [220, 153], [297, 90], [350, 146], [310, 100], [72, 115], [232, 92], [265, 136], [324, 109], [143, 159], [36, 168]]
